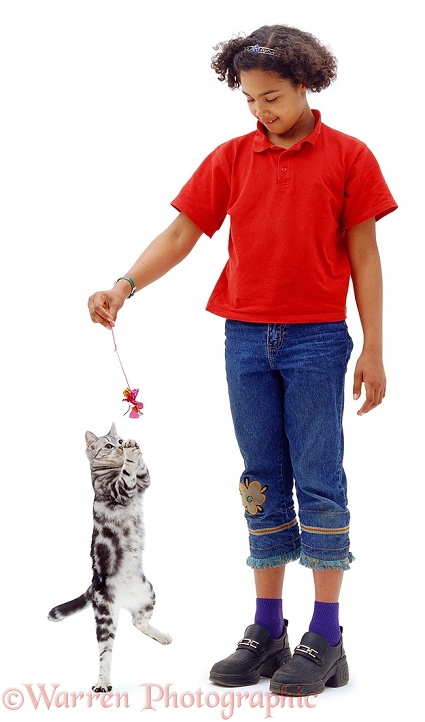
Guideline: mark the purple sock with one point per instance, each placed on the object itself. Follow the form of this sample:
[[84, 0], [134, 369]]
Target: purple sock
[[325, 621], [269, 614]]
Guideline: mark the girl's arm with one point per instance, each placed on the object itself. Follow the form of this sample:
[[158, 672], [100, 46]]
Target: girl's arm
[[165, 252], [366, 275]]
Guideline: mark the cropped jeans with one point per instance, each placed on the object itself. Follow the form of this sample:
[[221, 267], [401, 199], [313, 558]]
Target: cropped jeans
[[286, 392]]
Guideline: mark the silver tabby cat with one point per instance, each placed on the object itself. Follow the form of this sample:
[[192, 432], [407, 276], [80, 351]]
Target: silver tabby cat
[[119, 477]]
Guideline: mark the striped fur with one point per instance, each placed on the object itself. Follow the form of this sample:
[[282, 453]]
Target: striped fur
[[119, 477]]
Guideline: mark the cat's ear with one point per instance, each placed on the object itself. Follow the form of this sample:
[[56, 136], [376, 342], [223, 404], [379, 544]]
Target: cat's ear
[[90, 438], [112, 430]]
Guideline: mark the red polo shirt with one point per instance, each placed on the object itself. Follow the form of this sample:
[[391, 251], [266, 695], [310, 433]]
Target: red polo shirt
[[289, 210]]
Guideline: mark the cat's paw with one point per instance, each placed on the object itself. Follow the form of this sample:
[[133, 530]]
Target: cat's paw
[[147, 628], [101, 687], [132, 450], [164, 638], [131, 444]]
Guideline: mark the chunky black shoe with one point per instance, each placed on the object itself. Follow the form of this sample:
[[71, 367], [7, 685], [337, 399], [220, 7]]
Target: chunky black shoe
[[314, 666], [257, 655]]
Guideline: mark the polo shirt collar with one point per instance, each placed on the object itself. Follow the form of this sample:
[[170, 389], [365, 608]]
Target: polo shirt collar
[[262, 142]]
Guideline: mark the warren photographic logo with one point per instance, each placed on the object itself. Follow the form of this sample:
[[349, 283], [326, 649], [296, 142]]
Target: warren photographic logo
[[153, 697]]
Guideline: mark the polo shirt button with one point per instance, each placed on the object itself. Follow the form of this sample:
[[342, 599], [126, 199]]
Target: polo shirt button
[[283, 169]]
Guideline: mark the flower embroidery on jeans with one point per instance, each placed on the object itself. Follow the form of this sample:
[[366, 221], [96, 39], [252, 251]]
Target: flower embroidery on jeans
[[253, 496]]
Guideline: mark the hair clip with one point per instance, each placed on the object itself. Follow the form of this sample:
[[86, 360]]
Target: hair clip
[[260, 49]]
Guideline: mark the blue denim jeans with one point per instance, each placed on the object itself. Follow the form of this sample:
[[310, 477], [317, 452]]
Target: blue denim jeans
[[286, 391]]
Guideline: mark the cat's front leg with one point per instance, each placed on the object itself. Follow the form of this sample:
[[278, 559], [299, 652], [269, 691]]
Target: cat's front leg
[[132, 453], [132, 450], [125, 487], [142, 476]]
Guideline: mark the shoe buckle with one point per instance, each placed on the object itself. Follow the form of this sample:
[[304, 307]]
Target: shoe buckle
[[247, 642], [305, 649]]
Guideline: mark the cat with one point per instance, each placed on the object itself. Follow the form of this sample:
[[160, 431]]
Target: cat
[[119, 478]]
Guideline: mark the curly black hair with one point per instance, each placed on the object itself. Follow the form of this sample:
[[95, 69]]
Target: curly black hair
[[298, 56]]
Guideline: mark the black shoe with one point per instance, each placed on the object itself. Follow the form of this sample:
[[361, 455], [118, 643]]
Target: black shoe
[[314, 666], [257, 655]]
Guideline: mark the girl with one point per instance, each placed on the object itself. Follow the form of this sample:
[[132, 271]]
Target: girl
[[303, 200]]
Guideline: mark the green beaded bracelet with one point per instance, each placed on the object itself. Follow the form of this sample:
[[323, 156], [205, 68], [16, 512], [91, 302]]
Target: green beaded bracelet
[[131, 282]]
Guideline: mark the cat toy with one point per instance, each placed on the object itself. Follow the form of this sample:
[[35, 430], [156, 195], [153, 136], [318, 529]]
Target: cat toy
[[130, 395]]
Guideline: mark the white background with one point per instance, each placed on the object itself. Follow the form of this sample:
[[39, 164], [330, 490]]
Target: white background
[[107, 107]]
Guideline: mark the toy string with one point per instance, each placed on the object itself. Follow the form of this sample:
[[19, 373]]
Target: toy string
[[116, 351]]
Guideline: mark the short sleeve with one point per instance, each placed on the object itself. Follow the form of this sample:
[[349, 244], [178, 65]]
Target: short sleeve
[[205, 197], [366, 192]]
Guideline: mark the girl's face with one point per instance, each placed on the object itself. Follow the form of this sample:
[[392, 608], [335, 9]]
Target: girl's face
[[279, 105]]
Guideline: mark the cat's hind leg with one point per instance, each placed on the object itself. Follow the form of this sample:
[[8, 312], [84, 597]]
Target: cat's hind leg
[[106, 616], [141, 620]]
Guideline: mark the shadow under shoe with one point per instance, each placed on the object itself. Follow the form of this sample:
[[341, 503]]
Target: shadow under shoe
[[314, 666], [257, 655]]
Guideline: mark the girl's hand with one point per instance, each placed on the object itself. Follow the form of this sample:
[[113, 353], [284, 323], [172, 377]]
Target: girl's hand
[[370, 372], [104, 305]]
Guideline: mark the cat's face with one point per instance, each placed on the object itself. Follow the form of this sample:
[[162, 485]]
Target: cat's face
[[105, 451]]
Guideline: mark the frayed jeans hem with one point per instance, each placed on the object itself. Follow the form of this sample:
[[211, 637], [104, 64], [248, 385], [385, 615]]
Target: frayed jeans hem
[[323, 564], [272, 562]]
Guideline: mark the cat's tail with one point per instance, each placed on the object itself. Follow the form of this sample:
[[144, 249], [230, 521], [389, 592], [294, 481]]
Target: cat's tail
[[75, 605]]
